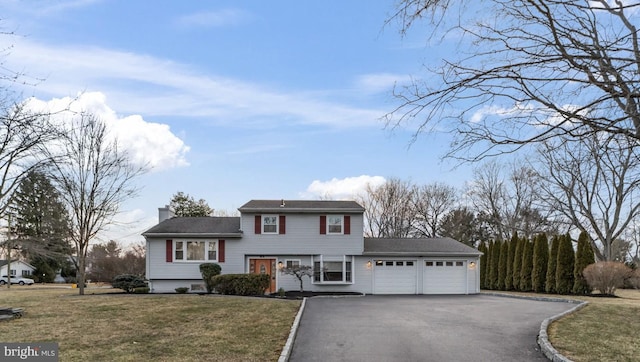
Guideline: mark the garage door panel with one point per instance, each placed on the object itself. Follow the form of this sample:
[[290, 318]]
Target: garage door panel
[[444, 277], [395, 277]]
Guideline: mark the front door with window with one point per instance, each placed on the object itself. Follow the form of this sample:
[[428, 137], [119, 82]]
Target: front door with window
[[264, 266]]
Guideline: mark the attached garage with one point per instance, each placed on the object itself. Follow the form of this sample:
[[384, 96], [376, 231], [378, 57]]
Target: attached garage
[[422, 266], [395, 277]]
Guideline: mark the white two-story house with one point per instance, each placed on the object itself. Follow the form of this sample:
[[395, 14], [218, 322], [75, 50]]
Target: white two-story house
[[326, 235]]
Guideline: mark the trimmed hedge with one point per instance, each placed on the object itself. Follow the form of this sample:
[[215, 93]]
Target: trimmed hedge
[[241, 284]]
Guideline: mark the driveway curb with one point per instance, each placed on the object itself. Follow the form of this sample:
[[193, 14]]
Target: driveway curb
[[286, 351], [543, 338]]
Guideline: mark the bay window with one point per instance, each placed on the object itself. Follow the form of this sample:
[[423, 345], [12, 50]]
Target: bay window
[[332, 269]]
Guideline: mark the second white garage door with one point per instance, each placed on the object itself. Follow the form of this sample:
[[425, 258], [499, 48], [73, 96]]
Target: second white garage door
[[395, 277], [444, 277]]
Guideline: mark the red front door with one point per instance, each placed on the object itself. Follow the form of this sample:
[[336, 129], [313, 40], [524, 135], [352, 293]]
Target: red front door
[[264, 266]]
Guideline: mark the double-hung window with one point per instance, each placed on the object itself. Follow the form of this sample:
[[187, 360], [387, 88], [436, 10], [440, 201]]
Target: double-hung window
[[201, 250], [269, 224], [332, 269], [334, 224]]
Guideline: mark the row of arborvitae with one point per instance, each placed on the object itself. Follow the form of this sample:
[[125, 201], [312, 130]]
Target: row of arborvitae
[[535, 266]]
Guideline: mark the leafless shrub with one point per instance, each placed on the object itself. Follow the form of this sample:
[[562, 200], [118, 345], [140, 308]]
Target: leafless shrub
[[606, 276]]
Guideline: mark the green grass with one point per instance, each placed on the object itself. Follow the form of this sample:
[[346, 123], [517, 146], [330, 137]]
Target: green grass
[[605, 330], [120, 327]]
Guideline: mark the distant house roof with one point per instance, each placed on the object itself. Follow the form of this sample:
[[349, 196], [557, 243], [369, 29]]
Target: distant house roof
[[197, 226], [5, 262], [301, 206], [418, 247]]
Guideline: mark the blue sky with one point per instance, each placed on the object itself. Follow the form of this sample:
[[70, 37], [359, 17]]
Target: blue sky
[[232, 101]]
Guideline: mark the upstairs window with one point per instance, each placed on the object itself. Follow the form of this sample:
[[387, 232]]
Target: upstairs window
[[269, 224], [334, 224]]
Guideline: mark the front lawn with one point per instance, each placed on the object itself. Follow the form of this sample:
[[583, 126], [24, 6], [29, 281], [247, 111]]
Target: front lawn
[[605, 330], [102, 326]]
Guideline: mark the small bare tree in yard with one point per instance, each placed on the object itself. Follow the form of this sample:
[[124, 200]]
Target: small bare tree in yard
[[95, 177], [299, 271], [606, 276]]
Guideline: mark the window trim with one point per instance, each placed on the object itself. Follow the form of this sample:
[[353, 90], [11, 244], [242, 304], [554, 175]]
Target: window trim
[[345, 273], [341, 232], [262, 224], [184, 242]]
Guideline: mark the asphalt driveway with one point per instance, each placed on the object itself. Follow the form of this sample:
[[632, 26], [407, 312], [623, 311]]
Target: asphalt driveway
[[422, 328]]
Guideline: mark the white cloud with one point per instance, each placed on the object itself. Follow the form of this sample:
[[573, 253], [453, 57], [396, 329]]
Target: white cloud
[[147, 85], [380, 82], [148, 143], [487, 111], [211, 18], [340, 189]]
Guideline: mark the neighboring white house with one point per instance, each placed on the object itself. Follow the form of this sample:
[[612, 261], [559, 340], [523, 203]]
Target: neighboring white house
[[19, 268], [326, 235]]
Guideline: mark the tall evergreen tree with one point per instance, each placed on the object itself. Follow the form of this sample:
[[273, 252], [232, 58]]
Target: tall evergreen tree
[[584, 257], [502, 265], [550, 284], [527, 266], [184, 205], [42, 225], [540, 262], [483, 264], [517, 263], [495, 264], [508, 279], [564, 269]]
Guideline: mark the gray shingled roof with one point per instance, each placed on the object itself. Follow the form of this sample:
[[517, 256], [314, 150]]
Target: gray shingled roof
[[301, 206], [417, 246], [198, 226]]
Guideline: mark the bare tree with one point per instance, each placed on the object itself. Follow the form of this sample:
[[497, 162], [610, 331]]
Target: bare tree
[[526, 71], [388, 209], [508, 201], [299, 271], [594, 183], [431, 203], [94, 177]]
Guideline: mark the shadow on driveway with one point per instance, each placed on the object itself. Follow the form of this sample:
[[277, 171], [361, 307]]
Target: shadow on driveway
[[422, 328]]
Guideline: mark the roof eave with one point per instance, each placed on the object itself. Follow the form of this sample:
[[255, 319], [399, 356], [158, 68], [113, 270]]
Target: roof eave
[[192, 235], [300, 210], [418, 253]]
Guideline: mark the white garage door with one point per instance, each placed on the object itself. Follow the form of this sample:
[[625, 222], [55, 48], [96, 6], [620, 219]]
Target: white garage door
[[395, 277], [444, 277]]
